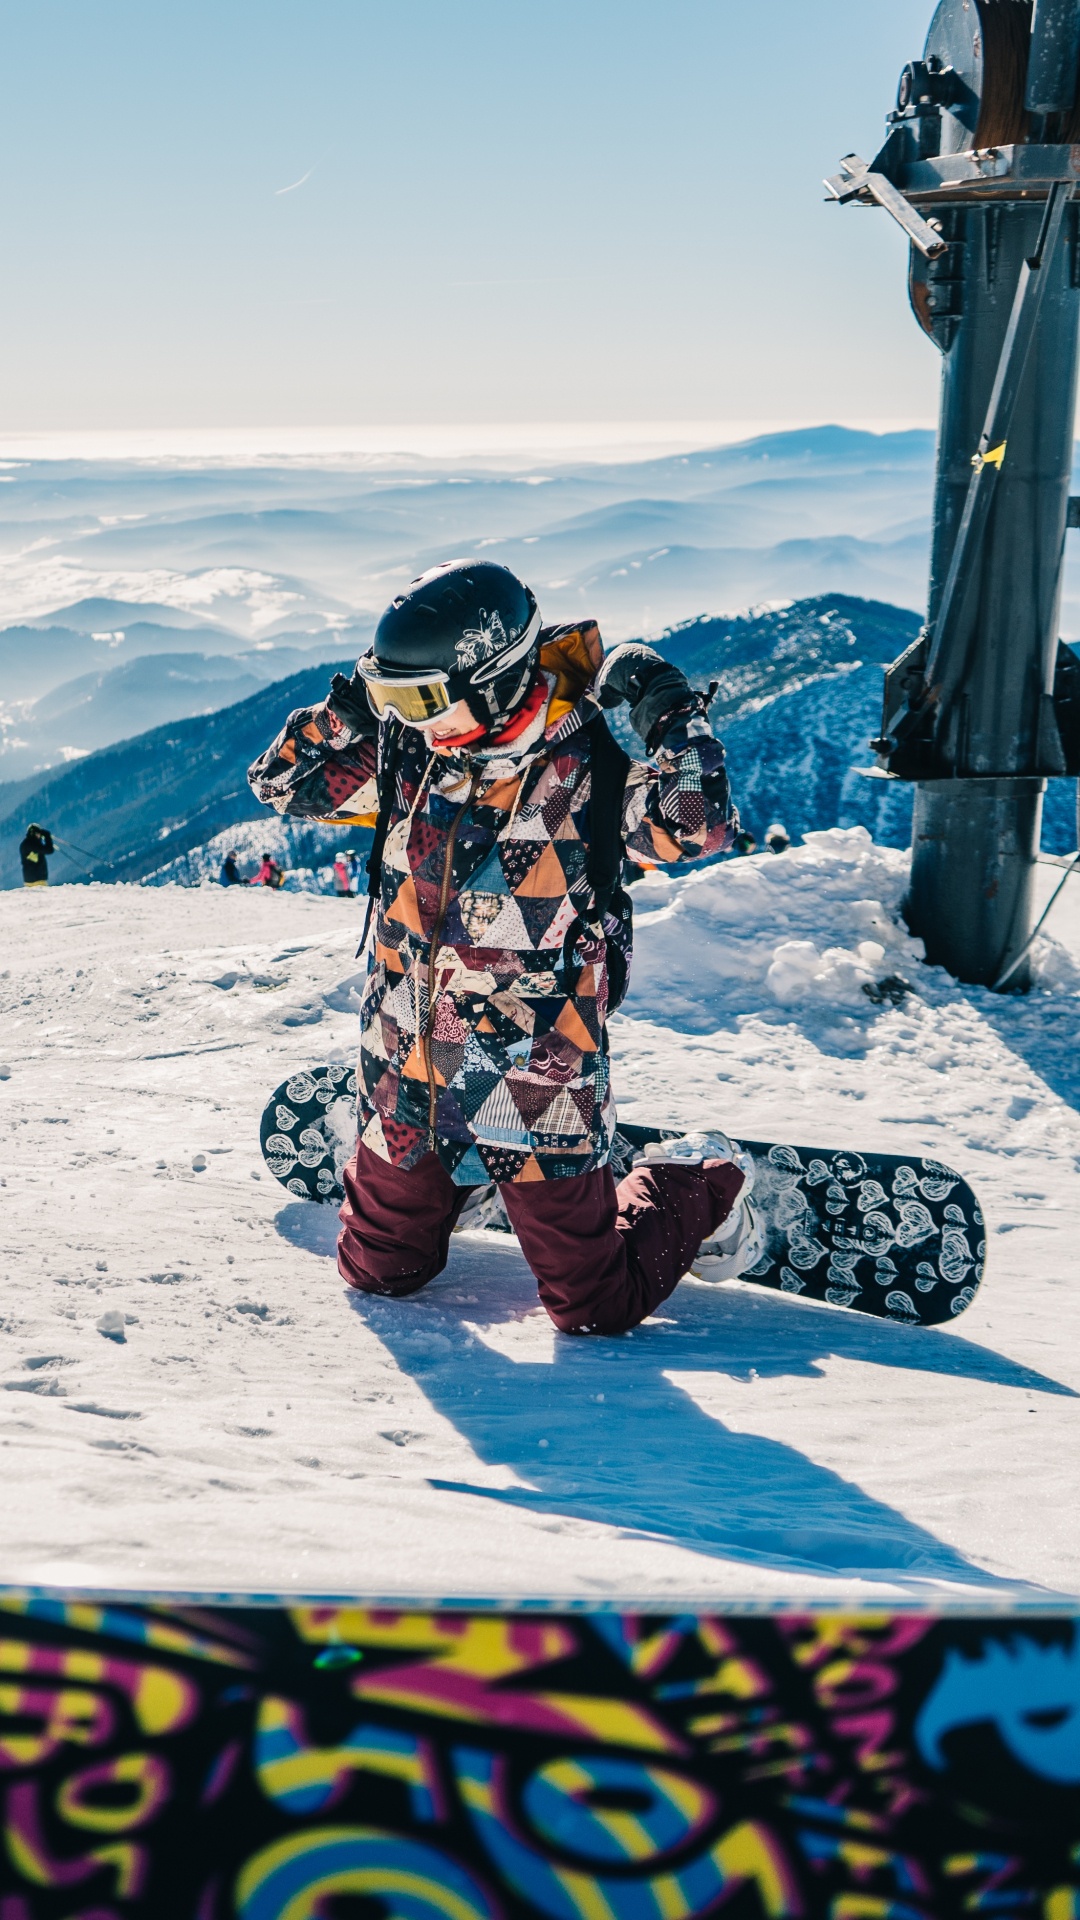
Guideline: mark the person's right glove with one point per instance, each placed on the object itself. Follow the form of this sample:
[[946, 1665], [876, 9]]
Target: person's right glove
[[657, 693], [349, 711]]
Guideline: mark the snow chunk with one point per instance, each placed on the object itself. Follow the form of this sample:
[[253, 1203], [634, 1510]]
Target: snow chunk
[[800, 972]]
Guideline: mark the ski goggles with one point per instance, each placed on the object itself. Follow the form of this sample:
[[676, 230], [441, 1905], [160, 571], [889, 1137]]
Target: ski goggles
[[419, 696], [414, 699]]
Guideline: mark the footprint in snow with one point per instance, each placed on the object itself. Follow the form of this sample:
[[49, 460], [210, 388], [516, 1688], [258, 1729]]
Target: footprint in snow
[[106, 1413]]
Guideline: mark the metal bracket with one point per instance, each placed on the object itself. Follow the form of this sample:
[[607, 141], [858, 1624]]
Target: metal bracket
[[858, 180]]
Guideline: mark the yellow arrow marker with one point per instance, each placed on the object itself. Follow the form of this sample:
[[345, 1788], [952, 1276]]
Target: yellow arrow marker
[[993, 458]]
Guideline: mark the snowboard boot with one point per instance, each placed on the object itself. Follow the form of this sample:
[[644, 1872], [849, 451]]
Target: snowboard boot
[[734, 1247], [740, 1242], [693, 1149]]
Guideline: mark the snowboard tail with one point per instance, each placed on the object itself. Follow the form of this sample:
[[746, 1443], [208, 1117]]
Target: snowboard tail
[[892, 1235], [308, 1131], [301, 1756]]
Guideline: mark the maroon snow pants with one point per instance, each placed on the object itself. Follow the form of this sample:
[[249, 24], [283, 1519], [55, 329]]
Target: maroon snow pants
[[604, 1256]]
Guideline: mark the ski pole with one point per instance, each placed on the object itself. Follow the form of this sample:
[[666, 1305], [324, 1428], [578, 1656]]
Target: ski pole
[[74, 845], [97, 858], [63, 855]]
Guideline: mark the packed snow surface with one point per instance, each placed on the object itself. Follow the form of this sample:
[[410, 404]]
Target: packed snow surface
[[191, 1399]]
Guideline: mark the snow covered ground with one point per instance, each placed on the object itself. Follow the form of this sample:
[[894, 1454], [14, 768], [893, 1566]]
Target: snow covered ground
[[246, 1424]]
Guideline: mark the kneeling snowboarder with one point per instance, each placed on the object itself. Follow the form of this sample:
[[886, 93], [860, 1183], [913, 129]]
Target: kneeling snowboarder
[[503, 811]]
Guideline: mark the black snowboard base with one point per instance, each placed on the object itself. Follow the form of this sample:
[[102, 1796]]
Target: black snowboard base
[[893, 1235]]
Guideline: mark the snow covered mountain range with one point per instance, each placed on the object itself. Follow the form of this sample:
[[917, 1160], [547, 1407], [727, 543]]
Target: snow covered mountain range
[[798, 703], [252, 569], [178, 606]]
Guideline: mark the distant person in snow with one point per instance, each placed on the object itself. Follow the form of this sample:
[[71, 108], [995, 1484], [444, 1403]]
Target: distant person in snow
[[35, 844], [502, 938], [744, 843], [342, 876], [230, 875], [269, 874], [777, 837]]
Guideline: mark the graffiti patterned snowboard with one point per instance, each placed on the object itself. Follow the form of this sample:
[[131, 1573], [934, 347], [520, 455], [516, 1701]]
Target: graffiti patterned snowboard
[[887, 1234]]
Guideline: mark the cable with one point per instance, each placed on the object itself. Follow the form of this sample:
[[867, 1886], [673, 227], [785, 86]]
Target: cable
[[1030, 941]]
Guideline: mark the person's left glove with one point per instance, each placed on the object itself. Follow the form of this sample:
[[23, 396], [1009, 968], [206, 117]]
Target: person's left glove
[[658, 694]]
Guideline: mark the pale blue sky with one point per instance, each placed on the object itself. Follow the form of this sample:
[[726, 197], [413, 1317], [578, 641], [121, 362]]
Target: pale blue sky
[[513, 210]]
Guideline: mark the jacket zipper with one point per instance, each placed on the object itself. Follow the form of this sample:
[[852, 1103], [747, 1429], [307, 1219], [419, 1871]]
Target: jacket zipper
[[436, 936]]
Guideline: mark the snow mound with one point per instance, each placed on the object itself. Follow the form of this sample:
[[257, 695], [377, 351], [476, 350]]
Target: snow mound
[[814, 932], [810, 927]]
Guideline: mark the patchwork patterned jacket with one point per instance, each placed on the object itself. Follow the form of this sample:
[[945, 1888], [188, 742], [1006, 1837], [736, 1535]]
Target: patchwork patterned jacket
[[483, 1021]]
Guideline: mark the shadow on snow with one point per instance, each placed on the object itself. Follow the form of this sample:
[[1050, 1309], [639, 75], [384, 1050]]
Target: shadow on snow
[[627, 1445]]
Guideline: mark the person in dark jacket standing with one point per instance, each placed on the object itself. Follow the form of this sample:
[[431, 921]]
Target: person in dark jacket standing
[[35, 844], [473, 733], [230, 875]]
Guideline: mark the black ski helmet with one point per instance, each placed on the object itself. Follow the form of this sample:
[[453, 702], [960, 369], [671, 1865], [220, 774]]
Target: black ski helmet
[[471, 622]]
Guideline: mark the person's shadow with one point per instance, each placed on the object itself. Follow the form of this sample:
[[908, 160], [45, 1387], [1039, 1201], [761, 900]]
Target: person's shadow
[[603, 1431]]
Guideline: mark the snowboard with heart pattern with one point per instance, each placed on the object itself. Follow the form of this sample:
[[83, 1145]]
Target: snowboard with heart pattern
[[894, 1235]]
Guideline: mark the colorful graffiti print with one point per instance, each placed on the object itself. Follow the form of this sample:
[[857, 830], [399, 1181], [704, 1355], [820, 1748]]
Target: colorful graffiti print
[[361, 1763]]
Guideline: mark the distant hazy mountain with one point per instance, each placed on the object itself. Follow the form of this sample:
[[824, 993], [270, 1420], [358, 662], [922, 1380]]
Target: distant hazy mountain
[[244, 553], [96, 709], [261, 550], [105, 617], [33, 660], [133, 807]]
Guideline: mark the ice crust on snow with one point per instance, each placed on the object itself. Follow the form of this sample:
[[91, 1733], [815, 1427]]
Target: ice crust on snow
[[250, 1425]]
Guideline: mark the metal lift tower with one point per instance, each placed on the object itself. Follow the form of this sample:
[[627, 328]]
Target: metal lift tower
[[980, 168]]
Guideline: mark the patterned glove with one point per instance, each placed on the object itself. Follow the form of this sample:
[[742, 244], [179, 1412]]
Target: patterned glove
[[659, 695], [348, 711]]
